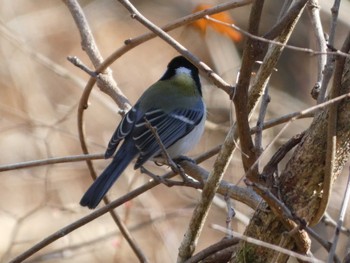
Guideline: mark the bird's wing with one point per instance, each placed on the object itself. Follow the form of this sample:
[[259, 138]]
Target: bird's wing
[[170, 127], [124, 128]]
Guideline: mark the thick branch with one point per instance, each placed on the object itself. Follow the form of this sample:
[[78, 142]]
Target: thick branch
[[241, 95], [301, 183]]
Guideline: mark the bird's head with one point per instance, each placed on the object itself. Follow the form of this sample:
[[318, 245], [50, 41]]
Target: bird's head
[[182, 70]]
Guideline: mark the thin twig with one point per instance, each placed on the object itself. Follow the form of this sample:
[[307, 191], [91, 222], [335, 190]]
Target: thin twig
[[272, 56], [307, 112], [221, 245], [272, 165], [257, 88], [39, 57], [201, 211], [162, 147], [277, 205], [55, 160], [342, 214], [50, 64], [78, 63], [230, 213], [328, 69], [132, 43], [215, 78], [87, 40], [308, 51], [268, 245], [241, 194], [267, 68], [284, 9], [288, 13], [329, 221], [82, 221], [62, 251], [106, 82], [265, 100], [314, 14]]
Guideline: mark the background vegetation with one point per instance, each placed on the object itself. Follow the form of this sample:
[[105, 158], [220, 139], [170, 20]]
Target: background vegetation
[[39, 104]]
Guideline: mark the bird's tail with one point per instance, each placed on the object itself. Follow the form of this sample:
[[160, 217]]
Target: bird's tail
[[104, 182]]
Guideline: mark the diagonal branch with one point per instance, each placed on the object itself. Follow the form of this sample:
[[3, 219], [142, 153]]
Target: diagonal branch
[[329, 66], [332, 133], [342, 214], [104, 81], [234, 191], [241, 96], [215, 78], [314, 13]]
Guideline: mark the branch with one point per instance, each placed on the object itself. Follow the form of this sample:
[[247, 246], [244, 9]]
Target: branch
[[264, 73], [55, 160], [308, 51], [216, 79], [268, 124], [265, 100], [285, 19], [82, 221], [77, 224], [314, 13], [328, 68], [301, 182], [242, 194], [241, 96], [332, 134], [267, 245], [118, 202], [200, 213], [105, 82], [342, 214], [272, 56], [271, 167], [215, 248], [133, 42]]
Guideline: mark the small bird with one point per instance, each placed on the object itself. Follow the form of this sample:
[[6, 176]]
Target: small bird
[[174, 107]]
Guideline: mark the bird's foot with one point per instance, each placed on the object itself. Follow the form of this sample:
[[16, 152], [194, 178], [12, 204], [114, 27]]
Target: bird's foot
[[186, 180]]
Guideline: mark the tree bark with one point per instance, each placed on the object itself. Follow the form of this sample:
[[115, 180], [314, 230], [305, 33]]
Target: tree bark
[[300, 183]]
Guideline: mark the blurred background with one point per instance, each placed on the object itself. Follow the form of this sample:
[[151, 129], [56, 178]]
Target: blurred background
[[40, 91]]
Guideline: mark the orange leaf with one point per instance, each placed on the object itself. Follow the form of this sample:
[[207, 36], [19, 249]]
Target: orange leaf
[[202, 23]]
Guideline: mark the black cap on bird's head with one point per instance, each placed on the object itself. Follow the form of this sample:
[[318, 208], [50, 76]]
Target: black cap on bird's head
[[181, 64]]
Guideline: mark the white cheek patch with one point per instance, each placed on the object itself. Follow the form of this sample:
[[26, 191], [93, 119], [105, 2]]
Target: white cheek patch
[[183, 70]]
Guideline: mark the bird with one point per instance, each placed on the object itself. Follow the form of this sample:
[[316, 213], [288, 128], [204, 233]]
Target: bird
[[174, 107]]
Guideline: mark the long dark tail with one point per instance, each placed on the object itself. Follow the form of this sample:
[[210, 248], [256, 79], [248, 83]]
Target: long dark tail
[[104, 182]]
